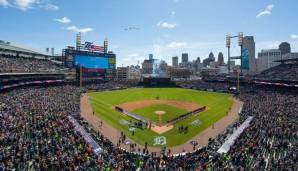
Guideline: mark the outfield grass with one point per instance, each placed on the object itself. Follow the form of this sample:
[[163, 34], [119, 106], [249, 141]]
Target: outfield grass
[[218, 105], [148, 112]]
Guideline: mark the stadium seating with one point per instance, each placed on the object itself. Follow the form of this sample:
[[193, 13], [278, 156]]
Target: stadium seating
[[11, 64], [36, 134], [288, 72]]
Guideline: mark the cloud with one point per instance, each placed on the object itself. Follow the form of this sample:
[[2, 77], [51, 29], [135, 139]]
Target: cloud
[[132, 58], [176, 45], [270, 7], [4, 3], [294, 36], [166, 25], [267, 11], [25, 5], [82, 30], [267, 45], [64, 20], [50, 7]]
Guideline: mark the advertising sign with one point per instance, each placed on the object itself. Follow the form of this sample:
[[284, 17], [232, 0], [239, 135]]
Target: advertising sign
[[91, 62], [245, 59], [111, 60]]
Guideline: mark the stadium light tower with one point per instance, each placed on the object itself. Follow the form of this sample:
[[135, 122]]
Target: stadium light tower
[[228, 45], [78, 41], [240, 43]]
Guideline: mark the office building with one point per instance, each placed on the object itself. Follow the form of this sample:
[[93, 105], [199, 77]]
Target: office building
[[175, 61], [266, 59], [284, 48], [52, 51], [147, 66], [150, 56], [122, 73], [207, 61], [220, 59], [184, 57], [134, 72], [249, 45]]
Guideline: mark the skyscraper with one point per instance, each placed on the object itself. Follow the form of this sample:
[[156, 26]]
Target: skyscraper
[[184, 57], [284, 48], [207, 61], [175, 61], [198, 60], [52, 51], [220, 58], [249, 45], [150, 56], [267, 58]]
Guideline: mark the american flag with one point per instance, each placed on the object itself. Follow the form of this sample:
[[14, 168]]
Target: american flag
[[97, 48], [90, 47]]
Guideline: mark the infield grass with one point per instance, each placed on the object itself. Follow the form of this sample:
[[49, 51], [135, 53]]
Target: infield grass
[[148, 112], [218, 105]]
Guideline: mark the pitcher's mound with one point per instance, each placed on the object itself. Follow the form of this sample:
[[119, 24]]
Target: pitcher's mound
[[160, 112]]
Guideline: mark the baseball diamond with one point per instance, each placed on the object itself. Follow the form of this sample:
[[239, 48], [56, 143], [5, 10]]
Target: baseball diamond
[[142, 105]]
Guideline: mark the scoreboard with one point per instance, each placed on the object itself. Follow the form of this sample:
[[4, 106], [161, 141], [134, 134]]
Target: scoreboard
[[94, 64]]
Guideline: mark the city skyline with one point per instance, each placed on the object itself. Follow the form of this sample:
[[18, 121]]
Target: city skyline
[[168, 28]]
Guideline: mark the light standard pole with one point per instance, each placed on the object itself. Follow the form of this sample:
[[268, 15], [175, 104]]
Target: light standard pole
[[240, 43], [228, 45]]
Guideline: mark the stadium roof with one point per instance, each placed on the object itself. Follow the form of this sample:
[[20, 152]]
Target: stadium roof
[[17, 48]]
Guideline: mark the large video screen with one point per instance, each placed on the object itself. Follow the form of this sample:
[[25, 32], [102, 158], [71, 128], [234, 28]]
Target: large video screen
[[91, 62]]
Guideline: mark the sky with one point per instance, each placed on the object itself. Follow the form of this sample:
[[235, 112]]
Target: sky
[[136, 28]]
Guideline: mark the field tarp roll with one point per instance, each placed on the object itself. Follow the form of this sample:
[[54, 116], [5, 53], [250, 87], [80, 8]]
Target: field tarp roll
[[137, 117], [96, 148], [231, 140]]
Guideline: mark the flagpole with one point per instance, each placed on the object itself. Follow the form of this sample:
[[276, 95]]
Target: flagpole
[[81, 81]]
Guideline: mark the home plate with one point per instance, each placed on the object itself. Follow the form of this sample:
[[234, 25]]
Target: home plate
[[161, 129]]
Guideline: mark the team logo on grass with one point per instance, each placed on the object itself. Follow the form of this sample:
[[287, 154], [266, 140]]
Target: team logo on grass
[[123, 122], [196, 122], [160, 140], [131, 129]]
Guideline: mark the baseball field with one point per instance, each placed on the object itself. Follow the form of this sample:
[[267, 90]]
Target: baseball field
[[160, 105]]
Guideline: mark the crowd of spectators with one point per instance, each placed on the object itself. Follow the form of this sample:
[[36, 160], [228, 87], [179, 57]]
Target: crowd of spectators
[[271, 140], [38, 135], [12, 64], [110, 85]]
